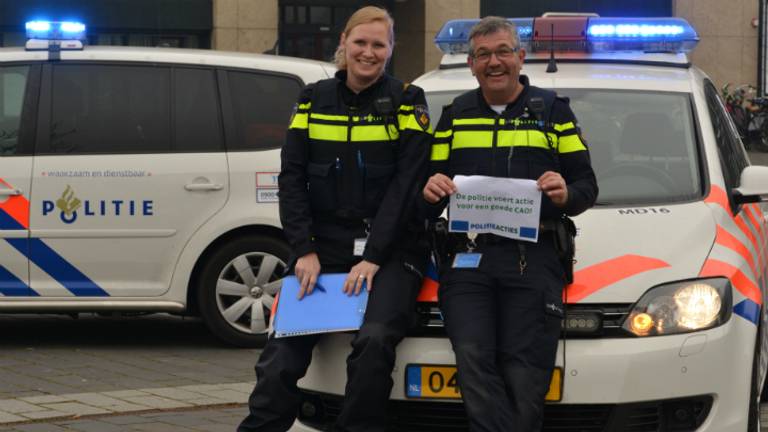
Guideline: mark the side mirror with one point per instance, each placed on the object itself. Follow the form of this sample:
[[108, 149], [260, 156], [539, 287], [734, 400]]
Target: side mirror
[[754, 185]]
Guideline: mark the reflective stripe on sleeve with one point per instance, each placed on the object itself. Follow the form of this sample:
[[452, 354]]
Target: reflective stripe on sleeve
[[300, 121], [570, 144], [440, 152]]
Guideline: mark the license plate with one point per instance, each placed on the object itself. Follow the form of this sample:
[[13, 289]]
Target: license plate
[[439, 382]]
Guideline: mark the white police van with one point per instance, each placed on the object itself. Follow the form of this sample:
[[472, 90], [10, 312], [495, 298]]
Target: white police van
[[143, 179], [665, 327]]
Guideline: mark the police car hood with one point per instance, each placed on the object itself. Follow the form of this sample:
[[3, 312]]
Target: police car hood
[[622, 252]]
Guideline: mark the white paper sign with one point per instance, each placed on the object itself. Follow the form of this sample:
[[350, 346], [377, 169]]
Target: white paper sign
[[502, 206]]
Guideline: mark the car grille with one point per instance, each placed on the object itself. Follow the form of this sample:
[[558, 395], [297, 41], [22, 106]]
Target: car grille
[[678, 415], [428, 321]]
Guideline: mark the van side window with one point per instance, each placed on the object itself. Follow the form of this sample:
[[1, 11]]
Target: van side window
[[13, 83], [197, 123], [262, 105], [98, 109]]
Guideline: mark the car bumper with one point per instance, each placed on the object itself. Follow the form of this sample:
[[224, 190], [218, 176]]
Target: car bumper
[[598, 373]]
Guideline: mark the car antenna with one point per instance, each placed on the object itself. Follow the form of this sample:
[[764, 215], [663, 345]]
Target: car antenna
[[552, 65]]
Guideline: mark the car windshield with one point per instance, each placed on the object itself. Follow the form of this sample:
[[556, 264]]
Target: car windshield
[[642, 144]]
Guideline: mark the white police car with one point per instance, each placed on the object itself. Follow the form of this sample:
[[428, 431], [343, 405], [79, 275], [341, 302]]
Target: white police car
[[143, 179], [665, 327]]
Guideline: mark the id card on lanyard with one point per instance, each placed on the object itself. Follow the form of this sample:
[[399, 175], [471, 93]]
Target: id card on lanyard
[[468, 259]]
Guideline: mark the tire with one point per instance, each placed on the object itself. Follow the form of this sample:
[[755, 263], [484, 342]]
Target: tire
[[237, 288]]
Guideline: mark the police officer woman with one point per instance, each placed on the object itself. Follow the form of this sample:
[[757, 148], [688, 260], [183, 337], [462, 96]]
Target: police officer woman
[[354, 161], [503, 312]]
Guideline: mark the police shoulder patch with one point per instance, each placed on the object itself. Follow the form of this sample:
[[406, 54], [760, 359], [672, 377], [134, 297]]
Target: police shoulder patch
[[421, 112]]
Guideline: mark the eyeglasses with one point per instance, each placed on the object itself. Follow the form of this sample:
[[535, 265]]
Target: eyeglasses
[[502, 53]]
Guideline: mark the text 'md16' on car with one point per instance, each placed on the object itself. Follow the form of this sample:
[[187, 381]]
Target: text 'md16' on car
[[665, 328], [143, 179]]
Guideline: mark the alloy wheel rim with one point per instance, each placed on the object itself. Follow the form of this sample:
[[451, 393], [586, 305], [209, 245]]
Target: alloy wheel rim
[[246, 288]]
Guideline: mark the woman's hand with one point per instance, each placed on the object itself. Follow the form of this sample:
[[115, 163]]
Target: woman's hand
[[307, 270], [438, 187], [364, 271]]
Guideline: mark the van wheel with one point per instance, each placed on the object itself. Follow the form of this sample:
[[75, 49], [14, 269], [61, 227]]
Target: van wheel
[[238, 286]]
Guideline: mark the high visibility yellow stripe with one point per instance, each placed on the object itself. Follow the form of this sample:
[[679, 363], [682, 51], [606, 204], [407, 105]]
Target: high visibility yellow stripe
[[305, 106], [474, 121], [443, 134], [406, 108], [522, 138], [472, 139], [564, 126], [409, 122], [570, 144], [505, 138], [440, 152], [329, 117], [359, 133], [299, 121], [327, 132], [374, 133]]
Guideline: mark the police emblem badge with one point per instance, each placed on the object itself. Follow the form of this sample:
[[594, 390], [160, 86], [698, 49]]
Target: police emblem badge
[[421, 112]]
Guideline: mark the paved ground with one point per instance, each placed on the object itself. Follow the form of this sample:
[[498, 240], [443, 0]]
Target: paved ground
[[54, 370]]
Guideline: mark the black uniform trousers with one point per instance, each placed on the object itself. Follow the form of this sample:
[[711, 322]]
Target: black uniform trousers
[[504, 327], [275, 400]]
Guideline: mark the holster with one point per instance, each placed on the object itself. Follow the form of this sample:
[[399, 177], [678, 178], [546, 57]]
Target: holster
[[441, 243], [565, 245]]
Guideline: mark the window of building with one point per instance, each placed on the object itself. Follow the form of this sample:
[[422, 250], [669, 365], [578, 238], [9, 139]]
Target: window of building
[[262, 105], [13, 84]]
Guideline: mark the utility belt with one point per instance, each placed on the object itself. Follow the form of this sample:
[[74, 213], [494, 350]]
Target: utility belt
[[561, 232]]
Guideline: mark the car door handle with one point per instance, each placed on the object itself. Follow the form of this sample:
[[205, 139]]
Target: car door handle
[[10, 192], [204, 187]]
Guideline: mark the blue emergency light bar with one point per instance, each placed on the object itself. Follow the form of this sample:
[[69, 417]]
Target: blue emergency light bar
[[55, 30], [453, 38], [583, 33]]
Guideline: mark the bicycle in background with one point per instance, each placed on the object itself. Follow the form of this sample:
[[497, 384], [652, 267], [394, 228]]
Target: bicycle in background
[[750, 114]]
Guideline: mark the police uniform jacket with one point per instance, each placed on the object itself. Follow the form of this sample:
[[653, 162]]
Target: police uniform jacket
[[473, 139], [350, 158]]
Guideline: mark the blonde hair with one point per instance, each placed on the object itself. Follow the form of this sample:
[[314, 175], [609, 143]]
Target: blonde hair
[[364, 15]]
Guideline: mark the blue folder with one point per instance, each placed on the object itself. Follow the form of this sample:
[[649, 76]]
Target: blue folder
[[327, 309]]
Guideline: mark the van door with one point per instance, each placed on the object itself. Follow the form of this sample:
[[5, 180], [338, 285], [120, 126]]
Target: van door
[[18, 86], [129, 164]]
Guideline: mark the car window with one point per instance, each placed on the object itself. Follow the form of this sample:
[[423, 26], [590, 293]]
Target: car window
[[262, 105], [729, 146], [642, 144], [13, 83], [110, 109], [197, 123]]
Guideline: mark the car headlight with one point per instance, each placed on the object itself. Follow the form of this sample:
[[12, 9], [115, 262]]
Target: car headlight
[[681, 307]]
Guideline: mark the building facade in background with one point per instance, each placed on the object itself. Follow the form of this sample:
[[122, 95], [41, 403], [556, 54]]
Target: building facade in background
[[728, 50]]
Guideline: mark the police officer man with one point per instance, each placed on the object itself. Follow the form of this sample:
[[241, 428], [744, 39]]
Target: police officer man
[[355, 158], [503, 315]]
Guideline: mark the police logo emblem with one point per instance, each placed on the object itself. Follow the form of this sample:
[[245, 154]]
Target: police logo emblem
[[421, 112]]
